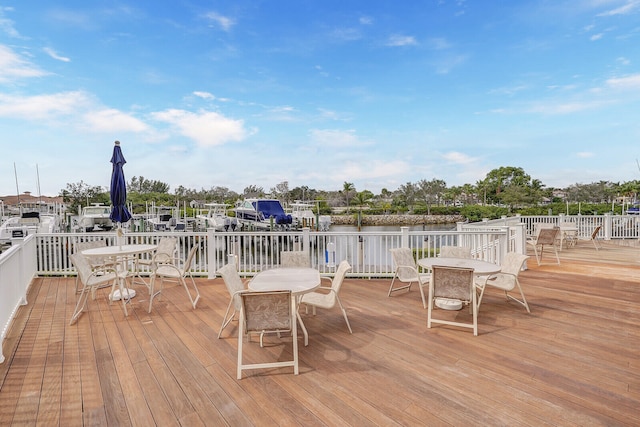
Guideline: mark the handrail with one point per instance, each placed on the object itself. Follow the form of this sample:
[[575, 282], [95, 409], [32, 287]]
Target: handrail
[[17, 269]]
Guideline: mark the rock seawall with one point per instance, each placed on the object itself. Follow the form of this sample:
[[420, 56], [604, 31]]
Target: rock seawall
[[396, 219]]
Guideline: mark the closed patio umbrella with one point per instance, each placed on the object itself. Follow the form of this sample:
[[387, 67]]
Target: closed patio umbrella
[[119, 212]]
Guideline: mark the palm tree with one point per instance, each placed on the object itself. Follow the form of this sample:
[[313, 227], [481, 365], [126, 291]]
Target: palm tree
[[347, 188]]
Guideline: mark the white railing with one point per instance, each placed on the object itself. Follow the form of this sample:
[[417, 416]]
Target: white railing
[[613, 226], [367, 252], [17, 269]]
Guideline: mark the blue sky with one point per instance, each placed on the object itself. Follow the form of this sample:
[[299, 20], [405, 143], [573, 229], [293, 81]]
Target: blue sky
[[316, 93]]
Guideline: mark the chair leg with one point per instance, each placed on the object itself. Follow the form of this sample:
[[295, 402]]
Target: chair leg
[[556, 252], [225, 320], [195, 300], [522, 302], [535, 250], [344, 313], [80, 305], [424, 300], [152, 292], [392, 289]]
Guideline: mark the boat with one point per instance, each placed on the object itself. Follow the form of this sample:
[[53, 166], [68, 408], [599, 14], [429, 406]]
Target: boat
[[29, 222], [166, 218], [95, 217], [303, 216], [215, 216], [262, 214]]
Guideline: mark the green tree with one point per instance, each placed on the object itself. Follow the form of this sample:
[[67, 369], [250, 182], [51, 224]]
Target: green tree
[[408, 195], [347, 189], [431, 191], [253, 191], [82, 194], [141, 185], [511, 186]]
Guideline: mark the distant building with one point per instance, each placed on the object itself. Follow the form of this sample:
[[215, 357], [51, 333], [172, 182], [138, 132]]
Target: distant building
[[28, 201]]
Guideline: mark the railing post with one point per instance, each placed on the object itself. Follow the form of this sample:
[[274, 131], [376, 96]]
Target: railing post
[[306, 239], [608, 226], [211, 253], [404, 237]]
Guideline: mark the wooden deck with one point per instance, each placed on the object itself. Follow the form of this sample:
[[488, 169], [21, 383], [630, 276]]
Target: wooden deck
[[575, 360]]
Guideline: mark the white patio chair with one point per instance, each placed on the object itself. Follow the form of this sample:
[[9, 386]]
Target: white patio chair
[[330, 295], [92, 278], [568, 234], [548, 237], [452, 283], [234, 285], [507, 279], [407, 272], [175, 272], [267, 312], [165, 253], [595, 238], [95, 262]]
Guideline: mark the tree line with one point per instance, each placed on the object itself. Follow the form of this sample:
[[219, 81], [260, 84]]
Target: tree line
[[509, 189]]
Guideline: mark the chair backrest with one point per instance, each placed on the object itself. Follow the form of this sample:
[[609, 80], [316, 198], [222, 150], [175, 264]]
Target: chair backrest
[[267, 311], [405, 264], [233, 282], [595, 232], [82, 265], [166, 249], [81, 246], [189, 260], [547, 236], [338, 278], [295, 259], [452, 282], [512, 263], [91, 244], [455, 252]]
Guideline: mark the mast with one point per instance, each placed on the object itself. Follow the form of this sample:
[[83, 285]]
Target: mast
[[15, 173]]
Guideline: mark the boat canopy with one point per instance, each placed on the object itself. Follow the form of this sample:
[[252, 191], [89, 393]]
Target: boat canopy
[[272, 208]]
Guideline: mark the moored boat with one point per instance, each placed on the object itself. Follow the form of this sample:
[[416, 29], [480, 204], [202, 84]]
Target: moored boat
[[215, 216], [30, 222], [96, 217], [262, 214], [166, 218]]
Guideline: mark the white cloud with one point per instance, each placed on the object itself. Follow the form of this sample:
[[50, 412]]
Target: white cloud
[[52, 53], [628, 8], [206, 128], [366, 20], [584, 154], [224, 22], [335, 138], [112, 120], [12, 66], [41, 107], [6, 25], [596, 37], [458, 158], [400, 40], [565, 108], [204, 95], [625, 83]]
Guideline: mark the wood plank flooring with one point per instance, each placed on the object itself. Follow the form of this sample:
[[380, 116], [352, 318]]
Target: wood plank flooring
[[575, 360]]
